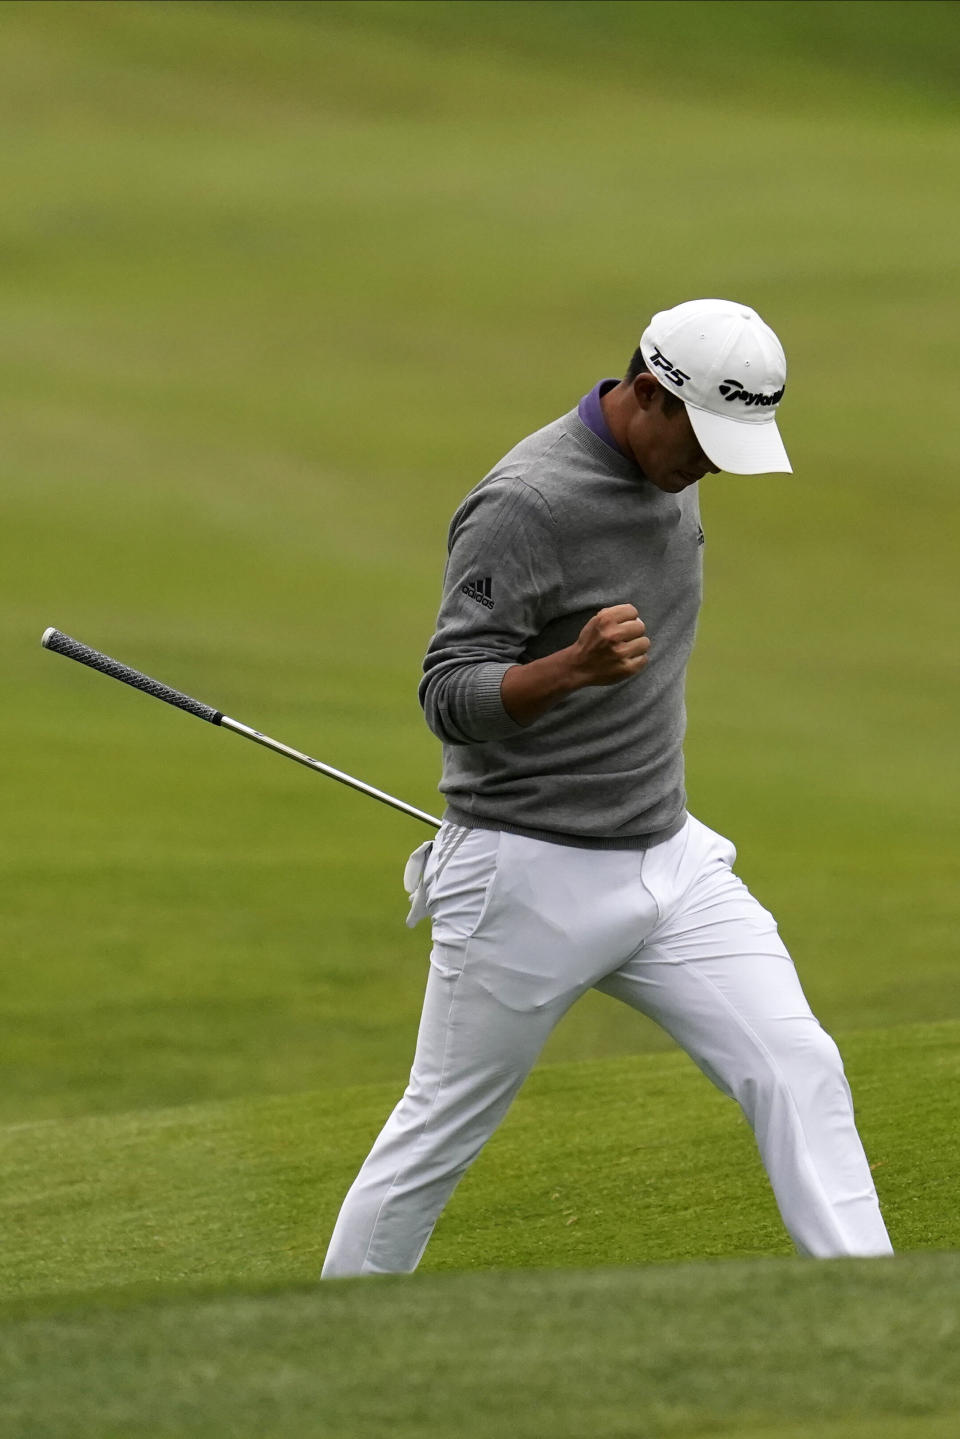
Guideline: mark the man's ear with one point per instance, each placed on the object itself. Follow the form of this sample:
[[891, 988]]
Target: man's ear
[[646, 391]]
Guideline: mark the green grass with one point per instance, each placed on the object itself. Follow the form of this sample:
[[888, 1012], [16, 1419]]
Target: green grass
[[159, 1274], [618, 1161], [709, 1349], [279, 283]]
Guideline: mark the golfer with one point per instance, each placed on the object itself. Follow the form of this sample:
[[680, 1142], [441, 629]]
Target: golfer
[[567, 859]]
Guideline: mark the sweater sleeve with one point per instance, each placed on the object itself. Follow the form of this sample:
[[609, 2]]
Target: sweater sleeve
[[501, 584]]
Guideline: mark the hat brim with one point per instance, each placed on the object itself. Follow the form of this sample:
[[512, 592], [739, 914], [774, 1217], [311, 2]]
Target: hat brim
[[741, 447]]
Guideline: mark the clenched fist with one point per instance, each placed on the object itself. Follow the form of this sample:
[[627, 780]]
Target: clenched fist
[[611, 647]]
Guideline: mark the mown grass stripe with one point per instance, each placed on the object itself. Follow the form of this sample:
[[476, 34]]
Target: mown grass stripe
[[725, 1348], [619, 1161]]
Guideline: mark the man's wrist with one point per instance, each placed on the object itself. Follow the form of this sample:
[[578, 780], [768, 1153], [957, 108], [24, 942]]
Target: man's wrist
[[529, 690]]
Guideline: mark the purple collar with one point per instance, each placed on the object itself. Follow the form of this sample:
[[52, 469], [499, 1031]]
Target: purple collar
[[591, 413]]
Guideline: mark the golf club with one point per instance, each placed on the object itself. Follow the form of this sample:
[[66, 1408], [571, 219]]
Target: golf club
[[62, 644]]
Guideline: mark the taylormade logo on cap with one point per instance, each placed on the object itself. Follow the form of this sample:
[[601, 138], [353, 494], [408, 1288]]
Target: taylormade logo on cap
[[729, 369], [733, 390]]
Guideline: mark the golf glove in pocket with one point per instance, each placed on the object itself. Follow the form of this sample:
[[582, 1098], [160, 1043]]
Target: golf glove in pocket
[[413, 876]]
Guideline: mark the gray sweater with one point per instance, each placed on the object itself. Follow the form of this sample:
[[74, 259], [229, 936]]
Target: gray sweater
[[562, 527]]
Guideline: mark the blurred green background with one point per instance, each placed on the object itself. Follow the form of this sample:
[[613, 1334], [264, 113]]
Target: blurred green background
[[280, 282]]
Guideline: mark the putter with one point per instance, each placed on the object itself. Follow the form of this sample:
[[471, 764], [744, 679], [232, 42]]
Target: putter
[[62, 644]]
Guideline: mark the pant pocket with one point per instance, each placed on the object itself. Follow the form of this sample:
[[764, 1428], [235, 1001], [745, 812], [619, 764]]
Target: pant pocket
[[724, 848], [460, 886]]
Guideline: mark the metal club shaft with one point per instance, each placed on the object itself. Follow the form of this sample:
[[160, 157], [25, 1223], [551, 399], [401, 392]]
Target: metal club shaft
[[62, 644]]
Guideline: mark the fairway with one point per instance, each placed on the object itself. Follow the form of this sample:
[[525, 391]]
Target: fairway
[[615, 1161], [281, 282], [703, 1350]]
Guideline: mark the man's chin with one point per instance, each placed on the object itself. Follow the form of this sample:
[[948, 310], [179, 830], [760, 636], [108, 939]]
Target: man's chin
[[672, 483]]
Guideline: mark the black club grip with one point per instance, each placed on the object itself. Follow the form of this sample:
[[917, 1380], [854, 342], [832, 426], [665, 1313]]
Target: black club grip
[[74, 650]]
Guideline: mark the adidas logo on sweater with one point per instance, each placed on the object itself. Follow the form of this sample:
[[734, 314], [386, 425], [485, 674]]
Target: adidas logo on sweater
[[479, 590]]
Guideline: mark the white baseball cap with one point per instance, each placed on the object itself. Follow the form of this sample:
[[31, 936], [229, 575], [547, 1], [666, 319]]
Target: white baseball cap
[[729, 369]]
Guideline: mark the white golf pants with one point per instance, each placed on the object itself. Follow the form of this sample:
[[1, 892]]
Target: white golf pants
[[521, 929]]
